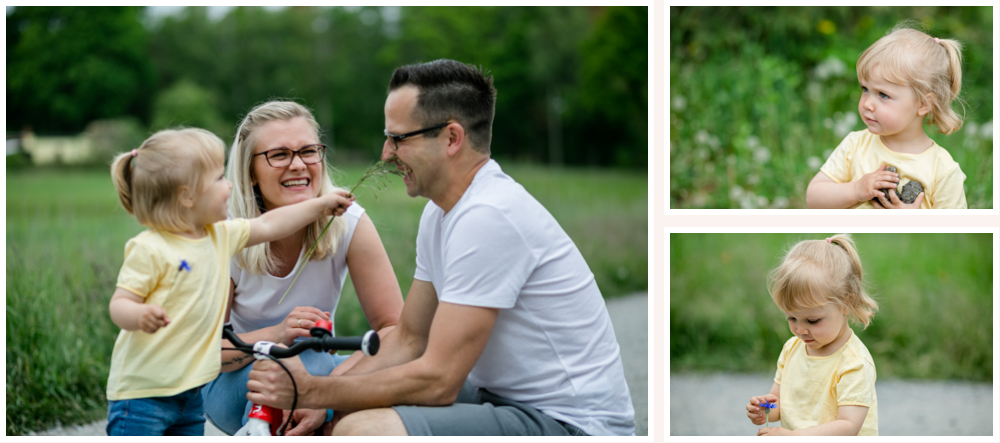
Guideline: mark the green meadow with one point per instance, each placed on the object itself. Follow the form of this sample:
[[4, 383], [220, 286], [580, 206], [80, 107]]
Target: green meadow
[[935, 296], [66, 234]]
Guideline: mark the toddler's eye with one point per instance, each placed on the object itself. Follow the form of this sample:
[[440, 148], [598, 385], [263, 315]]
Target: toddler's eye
[[864, 89], [812, 322], [882, 94]]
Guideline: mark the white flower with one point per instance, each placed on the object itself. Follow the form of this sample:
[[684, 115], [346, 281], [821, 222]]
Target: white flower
[[780, 203], [736, 192], [971, 129], [762, 155], [814, 162], [679, 103], [753, 179], [753, 142], [987, 130], [831, 67], [761, 201], [701, 137]]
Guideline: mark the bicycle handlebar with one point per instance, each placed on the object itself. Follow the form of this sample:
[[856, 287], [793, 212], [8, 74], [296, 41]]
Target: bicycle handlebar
[[321, 341]]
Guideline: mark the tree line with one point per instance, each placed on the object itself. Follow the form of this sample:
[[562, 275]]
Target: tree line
[[571, 81]]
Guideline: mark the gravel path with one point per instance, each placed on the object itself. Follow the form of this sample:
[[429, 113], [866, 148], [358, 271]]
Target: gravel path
[[714, 404], [628, 315]]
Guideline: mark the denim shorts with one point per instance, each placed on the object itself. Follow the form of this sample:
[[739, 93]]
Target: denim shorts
[[481, 412], [179, 414], [225, 397]]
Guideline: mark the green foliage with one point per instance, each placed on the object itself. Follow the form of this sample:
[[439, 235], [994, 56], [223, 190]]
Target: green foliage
[[756, 110], [934, 318], [66, 231], [554, 102], [67, 66], [189, 105]]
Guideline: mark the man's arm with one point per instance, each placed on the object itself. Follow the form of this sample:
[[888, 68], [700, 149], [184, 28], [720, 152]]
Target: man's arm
[[456, 337]]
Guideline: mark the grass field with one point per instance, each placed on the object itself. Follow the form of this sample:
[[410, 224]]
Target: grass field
[[66, 234], [934, 293]]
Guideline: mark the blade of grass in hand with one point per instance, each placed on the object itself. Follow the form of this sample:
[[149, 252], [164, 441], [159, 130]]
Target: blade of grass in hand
[[376, 171]]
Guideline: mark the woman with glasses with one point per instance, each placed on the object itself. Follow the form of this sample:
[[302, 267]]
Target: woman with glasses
[[277, 160]]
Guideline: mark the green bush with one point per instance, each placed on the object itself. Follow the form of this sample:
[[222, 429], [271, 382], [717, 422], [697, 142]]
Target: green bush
[[757, 109]]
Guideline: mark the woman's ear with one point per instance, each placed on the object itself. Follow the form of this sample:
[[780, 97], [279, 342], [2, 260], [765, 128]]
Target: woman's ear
[[185, 196]]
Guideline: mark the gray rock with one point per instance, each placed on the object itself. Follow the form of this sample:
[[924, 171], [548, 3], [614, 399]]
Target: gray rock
[[910, 191]]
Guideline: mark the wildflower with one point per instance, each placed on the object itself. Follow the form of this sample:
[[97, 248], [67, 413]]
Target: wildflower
[[814, 162], [377, 172], [184, 266], [768, 405]]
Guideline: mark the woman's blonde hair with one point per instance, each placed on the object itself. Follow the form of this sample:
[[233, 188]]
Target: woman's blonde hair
[[816, 272], [247, 201], [928, 65], [148, 179]]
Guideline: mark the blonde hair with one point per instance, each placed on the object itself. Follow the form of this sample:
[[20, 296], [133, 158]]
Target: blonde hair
[[247, 201], [816, 272], [148, 179], [928, 65]]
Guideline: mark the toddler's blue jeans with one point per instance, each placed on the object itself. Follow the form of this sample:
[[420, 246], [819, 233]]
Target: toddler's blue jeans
[[179, 414]]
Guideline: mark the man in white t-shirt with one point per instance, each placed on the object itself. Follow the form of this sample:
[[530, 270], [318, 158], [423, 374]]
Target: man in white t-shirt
[[504, 330]]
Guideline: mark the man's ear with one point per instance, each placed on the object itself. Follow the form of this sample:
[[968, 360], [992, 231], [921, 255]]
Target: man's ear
[[926, 104], [185, 196], [456, 137]]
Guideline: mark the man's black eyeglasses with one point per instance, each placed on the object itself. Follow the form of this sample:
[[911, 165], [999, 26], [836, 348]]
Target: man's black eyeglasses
[[282, 157], [400, 137]]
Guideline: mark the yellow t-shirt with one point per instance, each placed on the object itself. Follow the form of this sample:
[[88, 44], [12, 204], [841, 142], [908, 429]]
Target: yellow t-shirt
[[187, 352], [812, 388], [862, 152]]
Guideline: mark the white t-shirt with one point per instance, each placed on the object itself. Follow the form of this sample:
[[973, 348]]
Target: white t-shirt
[[255, 304], [553, 346]]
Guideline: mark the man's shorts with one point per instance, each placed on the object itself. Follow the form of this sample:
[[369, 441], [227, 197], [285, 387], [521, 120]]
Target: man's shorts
[[480, 412]]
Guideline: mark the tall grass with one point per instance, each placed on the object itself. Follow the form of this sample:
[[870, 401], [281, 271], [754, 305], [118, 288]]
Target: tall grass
[[934, 293], [65, 238]]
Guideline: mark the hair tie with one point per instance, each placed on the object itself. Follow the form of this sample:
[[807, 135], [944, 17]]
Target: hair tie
[[937, 41], [829, 240], [134, 153]]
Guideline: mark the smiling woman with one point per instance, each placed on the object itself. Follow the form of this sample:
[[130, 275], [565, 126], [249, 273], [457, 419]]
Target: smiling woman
[[275, 161]]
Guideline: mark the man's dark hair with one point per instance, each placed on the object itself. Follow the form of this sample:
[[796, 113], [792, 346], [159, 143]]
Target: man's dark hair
[[451, 90]]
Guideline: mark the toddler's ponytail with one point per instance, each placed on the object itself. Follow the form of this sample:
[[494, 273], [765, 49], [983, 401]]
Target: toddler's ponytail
[[855, 297], [121, 176], [946, 119]]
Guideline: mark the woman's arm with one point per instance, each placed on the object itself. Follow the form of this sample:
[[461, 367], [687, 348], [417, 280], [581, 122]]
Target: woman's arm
[[285, 332], [373, 276]]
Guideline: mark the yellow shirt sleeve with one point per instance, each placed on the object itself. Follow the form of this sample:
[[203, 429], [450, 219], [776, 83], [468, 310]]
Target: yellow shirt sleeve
[[949, 187], [838, 166], [143, 268], [855, 385]]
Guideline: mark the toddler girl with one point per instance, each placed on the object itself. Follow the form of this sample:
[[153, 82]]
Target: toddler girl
[[174, 282], [825, 382], [907, 78]]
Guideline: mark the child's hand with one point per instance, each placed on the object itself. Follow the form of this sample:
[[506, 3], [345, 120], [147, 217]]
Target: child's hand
[[756, 413], [336, 202], [893, 202], [870, 185], [773, 431], [152, 318]]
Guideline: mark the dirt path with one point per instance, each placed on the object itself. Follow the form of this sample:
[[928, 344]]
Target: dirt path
[[628, 315], [714, 404]]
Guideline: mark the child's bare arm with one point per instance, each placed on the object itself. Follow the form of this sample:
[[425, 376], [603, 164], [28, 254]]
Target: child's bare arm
[[824, 193], [849, 421], [281, 222], [130, 313], [756, 413]]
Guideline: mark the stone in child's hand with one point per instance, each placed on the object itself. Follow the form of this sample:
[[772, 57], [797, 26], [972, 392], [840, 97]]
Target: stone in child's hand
[[909, 191]]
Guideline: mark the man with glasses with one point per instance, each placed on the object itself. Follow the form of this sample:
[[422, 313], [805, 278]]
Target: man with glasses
[[504, 330]]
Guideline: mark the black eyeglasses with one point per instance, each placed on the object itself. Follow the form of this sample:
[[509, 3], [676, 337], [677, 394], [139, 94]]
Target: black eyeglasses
[[398, 138], [282, 157]]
